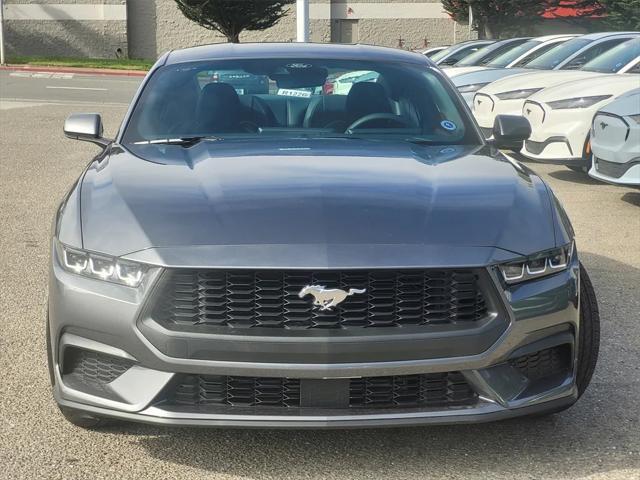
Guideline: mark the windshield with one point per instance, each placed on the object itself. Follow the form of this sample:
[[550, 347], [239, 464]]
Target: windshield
[[488, 53], [557, 55], [616, 58], [509, 56], [443, 53], [298, 98]]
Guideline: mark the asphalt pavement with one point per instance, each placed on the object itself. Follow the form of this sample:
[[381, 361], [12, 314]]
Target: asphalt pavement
[[598, 438]]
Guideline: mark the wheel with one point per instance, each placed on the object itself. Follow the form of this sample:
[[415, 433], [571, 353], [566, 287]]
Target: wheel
[[587, 158], [589, 337], [83, 419]]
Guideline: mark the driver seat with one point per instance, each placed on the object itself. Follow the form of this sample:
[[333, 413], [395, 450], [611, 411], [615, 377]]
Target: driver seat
[[365, 98], [219, 109]]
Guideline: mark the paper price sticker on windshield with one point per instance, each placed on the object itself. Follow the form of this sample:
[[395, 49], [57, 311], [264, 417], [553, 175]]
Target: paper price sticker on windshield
[[294, 93]]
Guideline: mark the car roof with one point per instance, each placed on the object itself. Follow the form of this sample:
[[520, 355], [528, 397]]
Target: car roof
[[599, 35], [293, 50], [546, 38]]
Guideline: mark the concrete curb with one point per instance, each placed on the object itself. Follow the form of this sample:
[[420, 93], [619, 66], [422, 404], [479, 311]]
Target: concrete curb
[[77, 70]]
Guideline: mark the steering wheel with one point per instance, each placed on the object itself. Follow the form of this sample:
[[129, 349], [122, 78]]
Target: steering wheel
[[372, 117]]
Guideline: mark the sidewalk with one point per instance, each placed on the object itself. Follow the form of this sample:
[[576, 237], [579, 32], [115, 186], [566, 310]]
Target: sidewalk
[[76, 70]]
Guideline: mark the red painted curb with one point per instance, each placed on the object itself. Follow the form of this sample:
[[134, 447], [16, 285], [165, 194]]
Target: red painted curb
[[78, 70]]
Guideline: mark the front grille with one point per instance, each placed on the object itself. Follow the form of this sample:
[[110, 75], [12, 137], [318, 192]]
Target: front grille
[[613, 169], [538, 147], [434, 389], [92, 368], [235, 391], [188, 299], [404, 391], [545, 363]]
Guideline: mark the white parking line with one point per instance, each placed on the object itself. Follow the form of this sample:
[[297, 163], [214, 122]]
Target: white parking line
[[77, 88]]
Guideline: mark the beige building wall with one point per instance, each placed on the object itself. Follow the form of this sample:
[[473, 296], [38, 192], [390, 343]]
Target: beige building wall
[[411, 24]]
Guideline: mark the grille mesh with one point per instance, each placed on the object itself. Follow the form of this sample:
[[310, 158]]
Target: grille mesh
[[266, 298], [426, 390], [435, 389], [544, 363], [96, 368]]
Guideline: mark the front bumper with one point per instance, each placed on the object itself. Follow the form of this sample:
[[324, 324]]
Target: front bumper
[[105, 318], [557, 136], [486, 107]]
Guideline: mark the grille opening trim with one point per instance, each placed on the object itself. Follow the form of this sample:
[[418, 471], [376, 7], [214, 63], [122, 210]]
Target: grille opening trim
[[217, 301]]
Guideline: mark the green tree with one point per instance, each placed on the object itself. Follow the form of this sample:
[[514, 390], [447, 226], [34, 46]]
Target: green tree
[[621, 14], [496, 18], [231, 17]]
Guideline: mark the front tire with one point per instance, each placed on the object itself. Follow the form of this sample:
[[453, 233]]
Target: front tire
[[589, 333]]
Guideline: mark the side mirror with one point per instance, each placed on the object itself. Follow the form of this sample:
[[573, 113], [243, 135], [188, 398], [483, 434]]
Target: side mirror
[[509, 131], [86, 127]]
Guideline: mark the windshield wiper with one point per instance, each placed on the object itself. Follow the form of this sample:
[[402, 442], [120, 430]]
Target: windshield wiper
[[423, 141], [182, 141]]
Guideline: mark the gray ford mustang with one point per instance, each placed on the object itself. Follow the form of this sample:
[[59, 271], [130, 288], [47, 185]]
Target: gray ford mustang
[[300, 258]]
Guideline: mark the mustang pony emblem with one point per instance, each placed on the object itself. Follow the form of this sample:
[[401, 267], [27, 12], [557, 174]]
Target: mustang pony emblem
[[603, 125], [325, 298]]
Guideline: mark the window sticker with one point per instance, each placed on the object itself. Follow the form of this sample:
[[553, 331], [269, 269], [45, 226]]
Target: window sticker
[[294, 93], [448, 125]]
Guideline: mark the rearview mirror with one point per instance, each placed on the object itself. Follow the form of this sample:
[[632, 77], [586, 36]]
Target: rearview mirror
[[509, 131], [86, 127]]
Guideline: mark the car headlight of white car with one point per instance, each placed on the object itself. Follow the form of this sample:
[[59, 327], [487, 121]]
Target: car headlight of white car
[[537, 265], [515, 94], [99, 266], [635, 118], [578, 102], [472, 87]]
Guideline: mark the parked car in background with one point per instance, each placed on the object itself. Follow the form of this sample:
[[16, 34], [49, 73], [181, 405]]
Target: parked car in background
[[615, 141], [529, 51], [561, 118], [507, 96], [486, 54], [455, 53], [560, 57], [431, 51], [343, 83]]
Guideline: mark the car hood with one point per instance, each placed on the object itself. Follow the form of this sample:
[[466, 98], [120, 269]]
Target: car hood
[[612, 84], [486, 75], [455, 71], [292, 197], [625, 105], [534, 79]]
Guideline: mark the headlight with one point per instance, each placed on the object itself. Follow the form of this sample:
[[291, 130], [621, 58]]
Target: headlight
[[472, 87], [538, 265], [635, 118], [513, 94], [579, 102], [102, 267]]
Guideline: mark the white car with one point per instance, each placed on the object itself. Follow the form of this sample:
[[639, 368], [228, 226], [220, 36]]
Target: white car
[[487, 53], [517, 56], [615, 141], [507, 96], [343, 83], [453, 54], [431, 51], [569, 55], [561, 117]]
